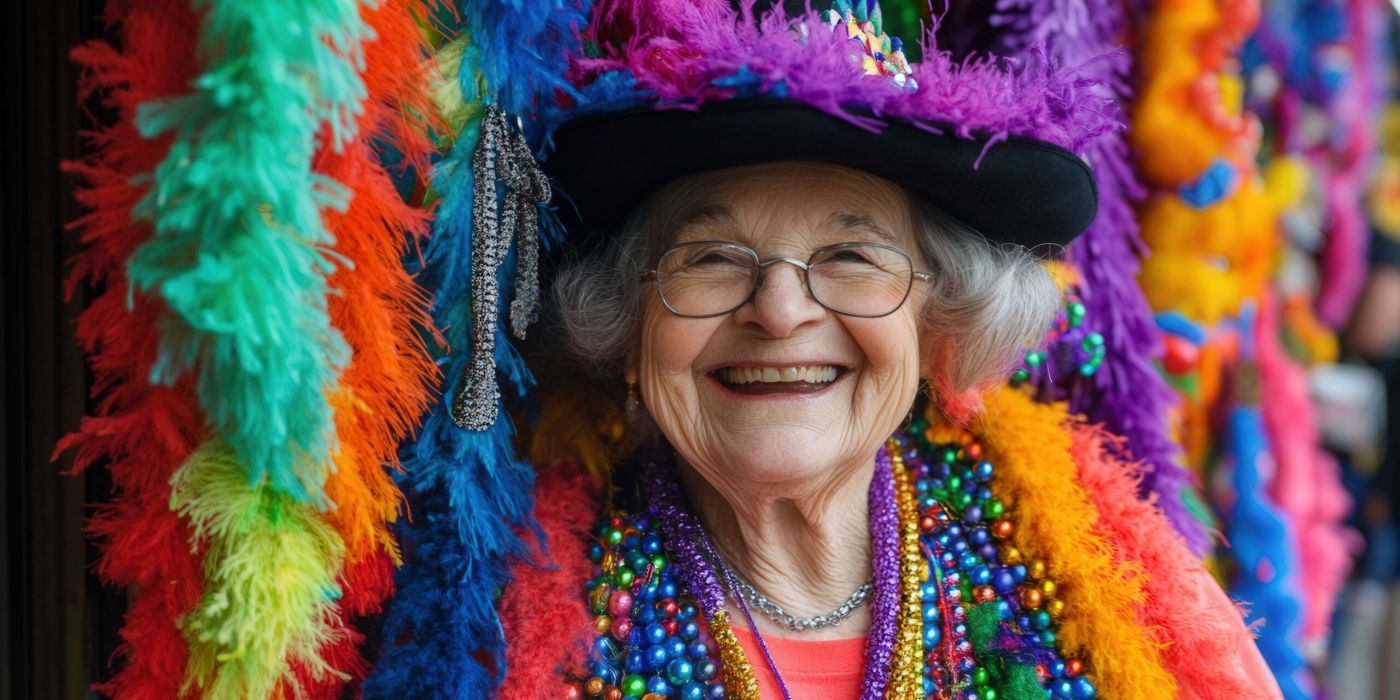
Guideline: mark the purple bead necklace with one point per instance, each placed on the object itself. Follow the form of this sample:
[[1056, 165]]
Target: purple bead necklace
[[884, 536], [733, 586], [691, 550]]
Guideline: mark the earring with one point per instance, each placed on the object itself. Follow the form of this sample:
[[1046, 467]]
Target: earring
[[633, 405]]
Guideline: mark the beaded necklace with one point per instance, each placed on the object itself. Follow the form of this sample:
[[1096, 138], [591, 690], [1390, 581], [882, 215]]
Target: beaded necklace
[[957, 612]]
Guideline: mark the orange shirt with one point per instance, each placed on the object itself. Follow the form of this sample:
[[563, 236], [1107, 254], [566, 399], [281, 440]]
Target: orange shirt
[[811, 669], [833, 669]]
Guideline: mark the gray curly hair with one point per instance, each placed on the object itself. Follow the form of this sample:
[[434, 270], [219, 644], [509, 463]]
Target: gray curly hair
[[987, 302]]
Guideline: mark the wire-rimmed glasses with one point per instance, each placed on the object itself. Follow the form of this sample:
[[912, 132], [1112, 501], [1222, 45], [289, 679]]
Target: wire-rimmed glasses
[[702, 279]]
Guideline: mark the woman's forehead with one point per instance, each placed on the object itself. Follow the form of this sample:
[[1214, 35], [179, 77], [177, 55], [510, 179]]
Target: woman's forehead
[[827, 203], [724, 222]]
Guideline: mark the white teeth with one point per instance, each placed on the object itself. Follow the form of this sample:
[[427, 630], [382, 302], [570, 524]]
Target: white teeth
[[813, 374]]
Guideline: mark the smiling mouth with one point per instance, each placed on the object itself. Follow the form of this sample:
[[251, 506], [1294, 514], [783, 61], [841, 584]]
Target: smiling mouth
[[803, 379]]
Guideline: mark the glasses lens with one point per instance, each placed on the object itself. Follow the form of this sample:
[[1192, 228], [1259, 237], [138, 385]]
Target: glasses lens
[[704, 279], [861, 279]]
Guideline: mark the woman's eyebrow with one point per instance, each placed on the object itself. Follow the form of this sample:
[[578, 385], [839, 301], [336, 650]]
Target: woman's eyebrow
[[711, 215], [849, 221]]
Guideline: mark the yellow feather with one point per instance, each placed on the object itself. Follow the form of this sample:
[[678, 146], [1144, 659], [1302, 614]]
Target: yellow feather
[[269, 580]]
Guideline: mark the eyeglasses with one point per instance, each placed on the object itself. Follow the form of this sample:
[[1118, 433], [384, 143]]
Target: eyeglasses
[[703, 279]]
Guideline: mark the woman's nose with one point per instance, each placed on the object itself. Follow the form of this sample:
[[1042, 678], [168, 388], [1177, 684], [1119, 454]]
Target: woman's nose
[[781, 304]]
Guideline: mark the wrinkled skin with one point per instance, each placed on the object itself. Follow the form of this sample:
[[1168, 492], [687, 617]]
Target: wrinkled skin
[[781, 479]]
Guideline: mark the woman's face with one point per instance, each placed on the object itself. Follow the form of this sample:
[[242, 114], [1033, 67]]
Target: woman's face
[[855, 377]]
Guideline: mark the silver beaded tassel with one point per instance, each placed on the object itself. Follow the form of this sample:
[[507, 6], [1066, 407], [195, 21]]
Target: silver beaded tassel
[[525, 308], [501, 157]]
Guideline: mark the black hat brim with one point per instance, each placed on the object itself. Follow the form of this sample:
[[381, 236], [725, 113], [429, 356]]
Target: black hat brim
[[1023, 191]]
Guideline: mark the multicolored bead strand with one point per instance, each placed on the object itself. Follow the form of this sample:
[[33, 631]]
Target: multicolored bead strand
[[906, 667], [968, 531], [949, 666], [684, 532], [650, 639], [1070, 343], [958, 613]]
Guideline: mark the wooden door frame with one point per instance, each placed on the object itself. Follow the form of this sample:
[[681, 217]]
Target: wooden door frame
[[59, 624]]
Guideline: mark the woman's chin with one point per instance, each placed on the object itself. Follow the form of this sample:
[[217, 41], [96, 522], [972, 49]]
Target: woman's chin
[[784, 456]]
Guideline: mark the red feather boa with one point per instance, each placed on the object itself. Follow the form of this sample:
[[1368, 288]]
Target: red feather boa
[[546, 623], [141, 432]]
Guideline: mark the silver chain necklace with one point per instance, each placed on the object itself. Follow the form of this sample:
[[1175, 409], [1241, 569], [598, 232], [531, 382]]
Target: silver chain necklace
[[776, 613]]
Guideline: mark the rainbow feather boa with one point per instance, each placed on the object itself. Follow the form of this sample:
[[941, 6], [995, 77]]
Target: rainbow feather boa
[[233, 413]]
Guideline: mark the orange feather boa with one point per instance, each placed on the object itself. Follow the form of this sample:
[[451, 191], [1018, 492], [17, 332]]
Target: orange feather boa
[[1055, 518]]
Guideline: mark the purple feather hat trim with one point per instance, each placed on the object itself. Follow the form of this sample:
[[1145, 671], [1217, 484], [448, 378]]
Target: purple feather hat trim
[[678, 54]]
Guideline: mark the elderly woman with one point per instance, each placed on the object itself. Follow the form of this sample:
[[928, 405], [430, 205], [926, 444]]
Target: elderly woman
[[776, 322], [787, 316], [793, 296]]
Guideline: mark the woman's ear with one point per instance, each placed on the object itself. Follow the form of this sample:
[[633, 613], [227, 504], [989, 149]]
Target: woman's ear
[[957, 405], [928, 353]]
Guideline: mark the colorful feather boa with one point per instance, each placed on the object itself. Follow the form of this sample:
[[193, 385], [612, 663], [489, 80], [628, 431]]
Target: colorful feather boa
[[141, 432], [549, 639], [1306, 483], [377, 308], [1355, 110], [248, 640], [1030, 444], [269, 573], [471, 492], [227, 237], [1202, 634], [238, 253], [1127, 393], [1262, 545], [381, 313], [269, 570]]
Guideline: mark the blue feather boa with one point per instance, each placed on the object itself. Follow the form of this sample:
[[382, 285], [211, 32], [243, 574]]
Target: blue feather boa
[[1261, 543]]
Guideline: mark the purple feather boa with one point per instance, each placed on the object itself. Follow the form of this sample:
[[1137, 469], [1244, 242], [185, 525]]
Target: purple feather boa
[[1127, 394], [682, 53]]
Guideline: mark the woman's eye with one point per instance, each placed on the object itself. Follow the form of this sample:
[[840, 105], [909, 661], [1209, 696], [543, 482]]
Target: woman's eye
[[715, 257], [848, 256]]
